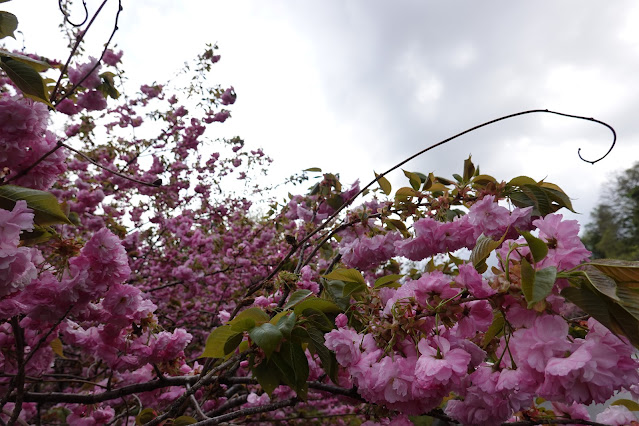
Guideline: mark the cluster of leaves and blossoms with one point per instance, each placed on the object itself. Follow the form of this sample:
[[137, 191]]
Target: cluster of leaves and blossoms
[[136, 289]]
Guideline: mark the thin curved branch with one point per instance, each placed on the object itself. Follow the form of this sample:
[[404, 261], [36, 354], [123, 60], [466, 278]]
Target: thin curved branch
[[472, 129], [248, 411], [115, 172], [554, 422], [348, 202], [26, 170], [74, 49], [66, 15]]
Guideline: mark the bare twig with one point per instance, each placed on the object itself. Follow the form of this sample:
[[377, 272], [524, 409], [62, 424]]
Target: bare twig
[[66, 15], [26, 170], [74, 49], [348, 202], [115, 172], [18, 334], [248, 411]]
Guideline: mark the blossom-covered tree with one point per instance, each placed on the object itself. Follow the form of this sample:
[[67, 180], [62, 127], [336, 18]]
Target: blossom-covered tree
[[136, 288]]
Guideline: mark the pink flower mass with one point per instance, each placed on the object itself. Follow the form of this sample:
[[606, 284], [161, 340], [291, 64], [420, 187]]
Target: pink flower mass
[[147, 275]]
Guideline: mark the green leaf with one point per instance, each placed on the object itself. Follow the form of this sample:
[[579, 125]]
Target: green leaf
[[557, 196], [406, 192], [384, 184], [322, 305], [444, 181], [285, 325], [329, 362], [428, 182], [318, 319], [484, 247], [627, 322], [629, 404], [438, 187], [232, 343], [544, 282], [619, 281], [26, 78], [297, 297], [593, 305], [334, 290], [266, 375], [35, 64], [107, 87], [184, 421], [300, 366], [312, 169], [521, 180], [536, 285], [37, 236], [283, 365], [495, 328], [267, 337], [244, 324], [145, 416], [278, 316], [483, 180], [469, 169], [538, 247], [8, 24], [346, 275], [214, 347], [293, 368], [541, 202], [622, 271], [44, 204], [387, 281], [601, 282], [336, 201], [629, 299], [414, 180], [397, 224], [354, 288], [527, 280], [255, 314], [56, 347]]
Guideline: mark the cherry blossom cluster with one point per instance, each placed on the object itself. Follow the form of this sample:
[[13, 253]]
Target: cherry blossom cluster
[[429, 339], [105, 311]]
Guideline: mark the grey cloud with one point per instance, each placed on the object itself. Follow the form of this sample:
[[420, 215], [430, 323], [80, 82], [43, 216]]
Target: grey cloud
[[376, 56]]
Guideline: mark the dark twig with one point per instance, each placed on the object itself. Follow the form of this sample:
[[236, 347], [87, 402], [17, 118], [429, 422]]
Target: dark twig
[[472, 129], [18, 333], [203, 379], [66, 15], [46, 336], [248, 411], [97, 63], [348, 202], [554, 422], [115, 172], [231, 403], [73, 50], [26, 170], [336, 390]]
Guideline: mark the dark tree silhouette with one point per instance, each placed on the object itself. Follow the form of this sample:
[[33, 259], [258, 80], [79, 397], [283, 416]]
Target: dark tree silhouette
[[614, 230]]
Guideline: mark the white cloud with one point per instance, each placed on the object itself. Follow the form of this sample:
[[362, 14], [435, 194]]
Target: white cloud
[[359, 85]]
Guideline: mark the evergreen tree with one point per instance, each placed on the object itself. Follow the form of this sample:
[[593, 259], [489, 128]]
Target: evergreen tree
[[614, 230]]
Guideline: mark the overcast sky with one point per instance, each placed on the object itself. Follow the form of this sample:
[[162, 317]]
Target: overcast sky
[[356, 86]]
